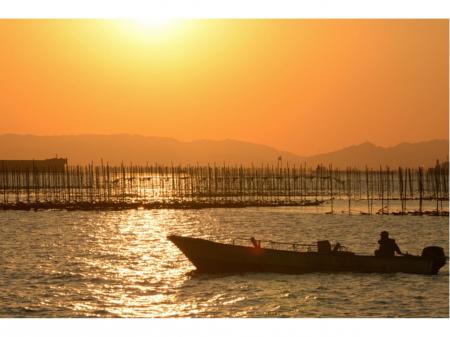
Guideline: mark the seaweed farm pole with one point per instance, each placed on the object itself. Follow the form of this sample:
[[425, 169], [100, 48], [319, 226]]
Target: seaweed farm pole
[[59, 185], [437, 184], [101, 179], [108, 182], [445, 179], [420, 189], [388, 189], [381, 182], [288, 181], [27, 183], [348, 180], [340, 183], [304, 183], [91, 182], [320, 176], [445, 173], [99, 193], [301, 178], [392, 178], [187, 183], [261, 182], [254, 175], [78, 178], [307, 182], [294, 182], [441, 184], [17, 183], [180, 182], [8, 185], [405, 186], [122, 169], [40, 183], [367, 190], [371, 177], [153, 173], [429, 182], [49, 187], [411, 186], [13, 183], [267, 183], [172, 181], [20, 182], [3, 171], [274, 184], [241, 182], [316, 178], [255, 193], [65, 179], [359, 184], [331, 188], [43, 185], [57, 194], [401, 187]]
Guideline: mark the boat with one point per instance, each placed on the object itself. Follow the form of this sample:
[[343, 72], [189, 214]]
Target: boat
[[214, 257]]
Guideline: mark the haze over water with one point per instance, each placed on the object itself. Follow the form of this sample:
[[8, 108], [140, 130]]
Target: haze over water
[[120, 264]]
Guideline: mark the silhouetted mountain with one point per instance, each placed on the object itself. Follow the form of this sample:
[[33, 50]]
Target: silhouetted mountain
[[82, 149], [404, 154]]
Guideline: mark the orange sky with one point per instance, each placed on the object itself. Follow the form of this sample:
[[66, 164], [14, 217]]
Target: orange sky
[[305, 86]]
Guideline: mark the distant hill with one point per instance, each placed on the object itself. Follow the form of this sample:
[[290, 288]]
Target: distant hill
[[82, 149], [404, 154]]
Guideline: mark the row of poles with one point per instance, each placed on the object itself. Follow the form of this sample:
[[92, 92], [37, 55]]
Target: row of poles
[[271, 185]]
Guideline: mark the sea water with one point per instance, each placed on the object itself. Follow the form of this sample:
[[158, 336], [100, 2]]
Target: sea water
[[120, 264]]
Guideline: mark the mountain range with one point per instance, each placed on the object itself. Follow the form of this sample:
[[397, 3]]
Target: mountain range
[[114, 149]]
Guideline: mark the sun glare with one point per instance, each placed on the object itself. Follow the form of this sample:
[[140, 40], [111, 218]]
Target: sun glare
[[157, 28], [154, 22]]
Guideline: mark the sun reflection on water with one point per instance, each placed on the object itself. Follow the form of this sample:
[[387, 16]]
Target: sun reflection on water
[[126, 262]]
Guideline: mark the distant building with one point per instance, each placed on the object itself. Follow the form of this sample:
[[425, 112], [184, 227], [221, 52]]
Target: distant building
[[54, 165]]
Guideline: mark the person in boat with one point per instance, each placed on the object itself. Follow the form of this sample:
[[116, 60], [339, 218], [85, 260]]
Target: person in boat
[[388, 247], [256, 243], [337, 247]]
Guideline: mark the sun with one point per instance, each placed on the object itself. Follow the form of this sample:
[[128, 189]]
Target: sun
[[149, 29], [153, 22]]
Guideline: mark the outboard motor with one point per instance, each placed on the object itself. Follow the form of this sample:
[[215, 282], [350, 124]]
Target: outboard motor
[[324, 246], [437, 255]]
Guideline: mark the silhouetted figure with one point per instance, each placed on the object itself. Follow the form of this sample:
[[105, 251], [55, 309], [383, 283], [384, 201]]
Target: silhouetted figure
[[256, 243], [337, 247], [388, 247]]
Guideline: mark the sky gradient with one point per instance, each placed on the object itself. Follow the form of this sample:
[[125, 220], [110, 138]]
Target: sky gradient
[[304, 86]]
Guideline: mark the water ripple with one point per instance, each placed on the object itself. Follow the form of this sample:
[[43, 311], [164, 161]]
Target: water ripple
[[120, 264]]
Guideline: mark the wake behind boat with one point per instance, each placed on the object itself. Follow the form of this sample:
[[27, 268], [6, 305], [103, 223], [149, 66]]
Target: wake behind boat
[[215, 257]]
